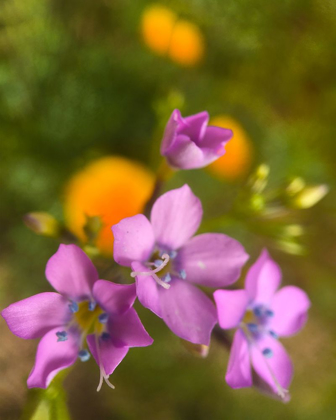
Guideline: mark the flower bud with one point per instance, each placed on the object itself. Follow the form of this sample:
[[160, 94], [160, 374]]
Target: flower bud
[[295, 186], [42, 223], [289, 246], [310, 196], [258, 180], [293, 230]]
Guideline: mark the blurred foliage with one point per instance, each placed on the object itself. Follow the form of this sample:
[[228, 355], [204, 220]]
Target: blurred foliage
[[77, 82]]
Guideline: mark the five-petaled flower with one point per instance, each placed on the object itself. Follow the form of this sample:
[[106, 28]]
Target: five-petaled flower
[[189, 142], [269, 314], [167, 262], [85, 308]]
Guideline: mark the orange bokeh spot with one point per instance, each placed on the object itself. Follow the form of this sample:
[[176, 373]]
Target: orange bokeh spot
[[239, 151], [165, 34], [112, 188], [157, 26], [187, 44]]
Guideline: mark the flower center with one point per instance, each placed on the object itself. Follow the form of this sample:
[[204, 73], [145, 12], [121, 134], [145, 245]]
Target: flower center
[[257, 319], [161, 263], [254, 325], [88, 318]]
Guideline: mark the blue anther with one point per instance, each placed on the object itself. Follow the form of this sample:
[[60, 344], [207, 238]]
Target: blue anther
[[62, 335], [172, 254], [84, 355], [269, 313], [183, 274], [273, 334], [267, 353], [103, 318], [253, 327], [92, 306], [166, 278], [73, 306], [105, 336], [258, 311], [157, 263]]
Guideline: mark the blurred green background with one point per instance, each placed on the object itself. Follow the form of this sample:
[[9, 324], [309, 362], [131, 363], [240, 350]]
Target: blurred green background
[[77, 82]]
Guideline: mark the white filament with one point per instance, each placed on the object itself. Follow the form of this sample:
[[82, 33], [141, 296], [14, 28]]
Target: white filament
[[103, 375], [152, 273]]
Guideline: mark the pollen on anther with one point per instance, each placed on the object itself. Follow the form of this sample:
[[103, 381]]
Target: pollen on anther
[[103, 318], [157, 263], [253, 327], [273, 334], [166, 278], [84, 355], [267, 353], [73, 306], [183, 274], [61, 335], [258, 311], [105, 336], [269, 313], [92, 306]]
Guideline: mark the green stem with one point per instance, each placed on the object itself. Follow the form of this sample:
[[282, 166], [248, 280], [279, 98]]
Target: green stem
[[164, 173]]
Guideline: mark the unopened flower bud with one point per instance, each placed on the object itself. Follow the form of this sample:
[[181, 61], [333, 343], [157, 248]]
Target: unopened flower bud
[[295, 186], [257, 202], [42, 223], [289, 246], [259, 178], [310, 196], [293, 230]]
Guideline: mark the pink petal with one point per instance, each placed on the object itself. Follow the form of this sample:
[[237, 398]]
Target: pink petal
[[188, 312], [169, 135], [263, 279], [276, 370], [133, 240], [107, 354], [127, 330], [114, 298], [231, 307], [211, 259], [290, 306], [238, 374], [215, 139], [194, 126], [35, 316], [185, 154], [51, 357], [147, 290], [71, 272], [175, 217]]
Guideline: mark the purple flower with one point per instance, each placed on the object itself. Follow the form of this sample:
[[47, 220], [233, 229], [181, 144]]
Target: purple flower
[[167, 262], [262, 314], [85, 308], [189, 143]]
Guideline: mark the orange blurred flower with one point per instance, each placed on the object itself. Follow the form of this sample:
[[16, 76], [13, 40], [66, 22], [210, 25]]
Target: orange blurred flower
[[111, 188], [166, 34], [239, 151]]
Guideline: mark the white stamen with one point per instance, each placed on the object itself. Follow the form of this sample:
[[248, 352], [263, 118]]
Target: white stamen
[[103, 375], [151, 273]]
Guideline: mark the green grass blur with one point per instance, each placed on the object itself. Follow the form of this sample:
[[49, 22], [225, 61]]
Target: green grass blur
[[76, 83]]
